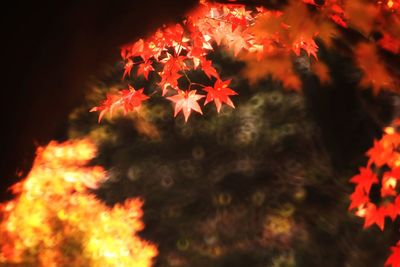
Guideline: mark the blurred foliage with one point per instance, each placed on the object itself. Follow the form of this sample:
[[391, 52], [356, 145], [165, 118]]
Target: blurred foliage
[[254, 186]]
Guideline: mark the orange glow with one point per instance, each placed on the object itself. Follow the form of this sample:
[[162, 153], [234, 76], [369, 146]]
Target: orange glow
[[56, 221], [389, 130], [390, 182]]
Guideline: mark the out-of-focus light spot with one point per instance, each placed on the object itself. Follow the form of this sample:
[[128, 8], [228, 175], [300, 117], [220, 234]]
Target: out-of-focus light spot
[[222, 199], [361, 211], [258, 198], [389, 130], [183, 244], [198, 152]]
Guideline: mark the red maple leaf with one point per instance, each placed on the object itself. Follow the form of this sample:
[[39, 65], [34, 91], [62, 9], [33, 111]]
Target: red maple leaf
[[219, 94], [209, 70], [390, 43], [128, 67], [129, 100], [391, 210], [379, 154], [132, 99], [237, 17], [132, 50], [170, 73], [365, 179], [104, 107], [174, 64], [394, 258], [307, 45], [186, 101], [145, 68], [358, 199], [169, 79], [374, 215]]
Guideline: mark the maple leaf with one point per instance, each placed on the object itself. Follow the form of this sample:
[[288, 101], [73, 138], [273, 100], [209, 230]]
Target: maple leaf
[[170, 74], [238, 17], [365, 179], [307, 45], [132, 99], [361, 15], [379, 154], [145, 68], [199, 46], [128, 67], [326, 32], [169, 79], [186, 101], [209, 70], [391, 210], [279, 66], [374, 215], [173, 35], [394, 258], [174, 64], [129, 100], [219, 94], [293, 29], [390, 43], [104, 107], [132, 50], [375, 73], [238, 40], [358, 198], [322, 71]]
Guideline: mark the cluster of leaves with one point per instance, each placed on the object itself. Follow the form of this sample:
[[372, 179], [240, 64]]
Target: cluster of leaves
[[265, 39], [381, 174]]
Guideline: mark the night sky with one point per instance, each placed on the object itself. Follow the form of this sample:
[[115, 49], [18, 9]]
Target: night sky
[[52, 49]]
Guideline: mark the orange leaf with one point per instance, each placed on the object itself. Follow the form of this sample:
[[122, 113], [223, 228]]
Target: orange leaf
[[279, 67], [322, 71], [374, 71]]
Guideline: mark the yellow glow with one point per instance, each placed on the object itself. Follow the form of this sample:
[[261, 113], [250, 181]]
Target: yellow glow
[[391, 182], [361, 211], [389, 130], [56, 221]]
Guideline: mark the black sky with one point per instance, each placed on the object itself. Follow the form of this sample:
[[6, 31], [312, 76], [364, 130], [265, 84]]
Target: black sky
[[51, 50]]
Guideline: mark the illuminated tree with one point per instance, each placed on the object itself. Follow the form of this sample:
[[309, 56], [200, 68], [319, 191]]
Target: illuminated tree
[[56, 220]]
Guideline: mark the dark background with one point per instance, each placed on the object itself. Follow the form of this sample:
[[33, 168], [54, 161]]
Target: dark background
[[51, 50]]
